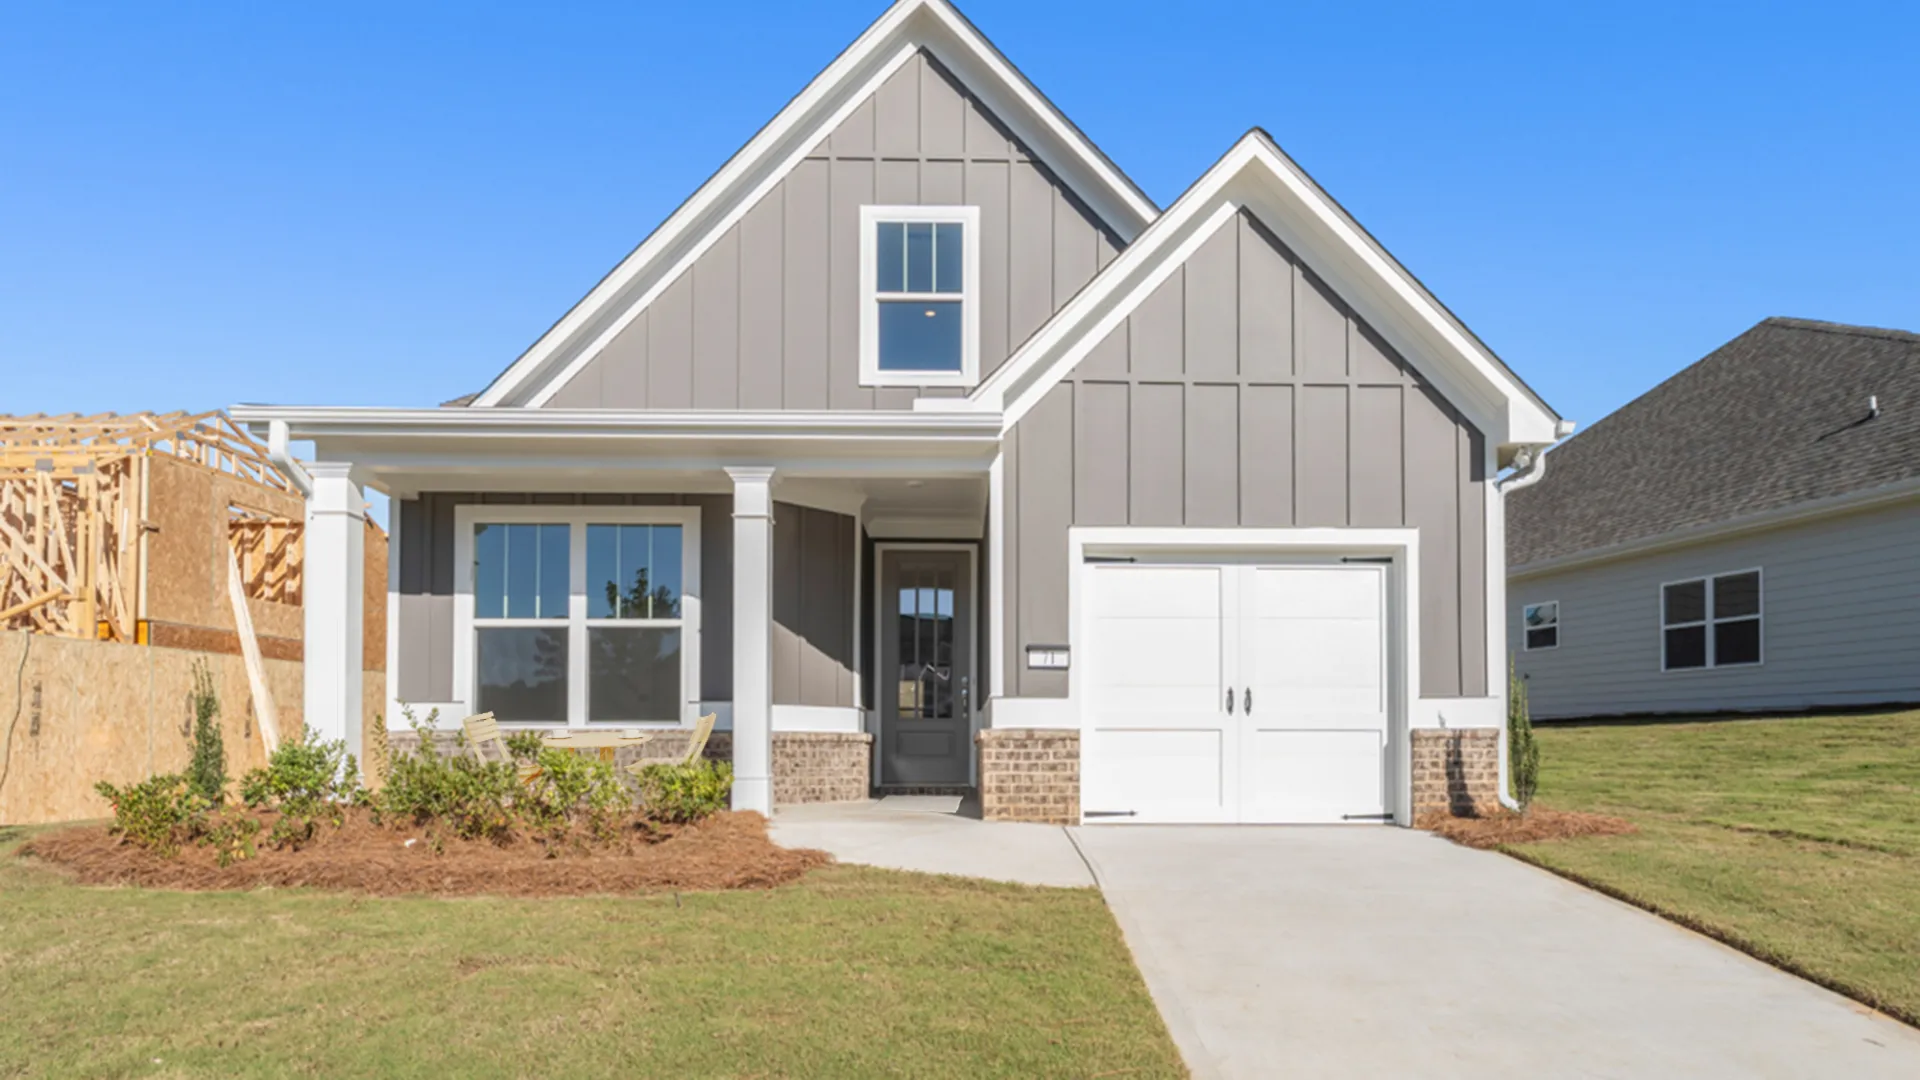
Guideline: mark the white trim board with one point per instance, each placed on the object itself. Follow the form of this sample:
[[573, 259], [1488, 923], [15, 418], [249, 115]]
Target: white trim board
[[904, 29], [467, 515]]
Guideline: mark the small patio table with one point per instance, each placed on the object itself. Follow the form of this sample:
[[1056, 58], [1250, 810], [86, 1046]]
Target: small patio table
[[607, 742]]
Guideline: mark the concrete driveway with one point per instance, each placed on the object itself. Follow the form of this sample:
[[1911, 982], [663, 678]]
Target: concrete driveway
[[1361, 952]]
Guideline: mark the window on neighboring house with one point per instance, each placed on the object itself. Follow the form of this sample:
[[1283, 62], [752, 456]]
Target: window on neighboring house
[[920, 313], [1710, 622], [1541, 623], [585, 619]]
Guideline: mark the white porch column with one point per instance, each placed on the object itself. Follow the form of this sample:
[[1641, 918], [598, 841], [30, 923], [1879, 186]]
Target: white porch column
[[752, 638], [333, 595]]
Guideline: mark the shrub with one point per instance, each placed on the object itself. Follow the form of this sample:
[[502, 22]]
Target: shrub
[[207, 772], [473, 797], [1523, 754], [301, 777], [685, 793], [159, 813], [231, 837], [572, 788]]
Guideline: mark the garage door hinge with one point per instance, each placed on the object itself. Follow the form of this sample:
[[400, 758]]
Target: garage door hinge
[[1110, 559], [1384, 560], [1110, 813], [1366, 817]]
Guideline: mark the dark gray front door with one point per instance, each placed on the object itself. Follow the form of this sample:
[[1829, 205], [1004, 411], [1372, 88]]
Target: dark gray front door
[[926, 679]]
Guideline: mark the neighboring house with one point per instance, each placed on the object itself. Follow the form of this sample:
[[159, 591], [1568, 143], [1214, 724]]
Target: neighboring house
[[1744, 536], [926, 450]]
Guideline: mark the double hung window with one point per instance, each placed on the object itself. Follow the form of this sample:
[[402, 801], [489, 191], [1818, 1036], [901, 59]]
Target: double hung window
[[920, 308]]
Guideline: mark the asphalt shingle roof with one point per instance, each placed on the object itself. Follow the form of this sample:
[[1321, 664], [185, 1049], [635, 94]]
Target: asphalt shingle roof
[[1777, 416]]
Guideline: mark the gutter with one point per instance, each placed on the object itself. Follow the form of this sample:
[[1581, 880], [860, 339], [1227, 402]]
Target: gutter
[[1530, 465], [278, 436]]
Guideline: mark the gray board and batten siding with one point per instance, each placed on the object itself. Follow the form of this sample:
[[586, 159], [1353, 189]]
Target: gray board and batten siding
[[813, 567], [1840, 623], [769, 316], [1243, 392]]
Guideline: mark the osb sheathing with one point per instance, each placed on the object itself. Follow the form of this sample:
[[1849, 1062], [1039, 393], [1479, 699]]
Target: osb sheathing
[[187, 562], [90, 710]]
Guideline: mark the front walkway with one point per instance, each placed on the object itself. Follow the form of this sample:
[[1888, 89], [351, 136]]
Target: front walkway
[[932, 834], [1371, 951]]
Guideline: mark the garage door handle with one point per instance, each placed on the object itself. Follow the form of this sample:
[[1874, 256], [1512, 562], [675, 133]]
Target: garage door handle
[[1229, 701], [1246, 706]]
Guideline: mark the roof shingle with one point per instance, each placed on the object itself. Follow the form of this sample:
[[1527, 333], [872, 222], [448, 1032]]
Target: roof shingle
[[1777, 416]]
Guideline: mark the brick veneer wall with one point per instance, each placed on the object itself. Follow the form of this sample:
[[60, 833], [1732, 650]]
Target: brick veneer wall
[[1029, 774], [808, 766], [1456, 772]]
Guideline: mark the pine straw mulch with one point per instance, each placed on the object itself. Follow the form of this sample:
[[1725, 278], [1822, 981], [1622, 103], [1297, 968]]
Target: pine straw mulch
[[1506, 827], [726, 851]]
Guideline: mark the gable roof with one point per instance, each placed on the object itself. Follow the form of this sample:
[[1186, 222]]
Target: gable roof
[[1258, 176], [1778, 416], [906, 28]]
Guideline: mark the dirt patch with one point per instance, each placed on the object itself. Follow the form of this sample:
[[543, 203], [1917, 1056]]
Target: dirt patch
[[1537, 824], [726, 851]]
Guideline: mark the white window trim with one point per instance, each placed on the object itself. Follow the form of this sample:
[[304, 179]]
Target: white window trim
[[465, 517], [969, 296], [1709, 622], [1526, 643]]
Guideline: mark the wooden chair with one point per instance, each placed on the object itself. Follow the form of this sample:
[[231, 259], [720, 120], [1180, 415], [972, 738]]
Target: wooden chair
[[482, 731], [697, 745]]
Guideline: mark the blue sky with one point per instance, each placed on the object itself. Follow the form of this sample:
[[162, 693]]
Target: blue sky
[[385, 203]]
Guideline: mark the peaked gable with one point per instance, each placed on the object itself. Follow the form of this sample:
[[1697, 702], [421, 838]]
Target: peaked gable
[[768, 317], [909, 32]]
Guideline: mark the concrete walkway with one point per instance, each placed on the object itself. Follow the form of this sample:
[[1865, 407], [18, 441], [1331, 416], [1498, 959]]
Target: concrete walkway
[[932, 834], [1352, 952]]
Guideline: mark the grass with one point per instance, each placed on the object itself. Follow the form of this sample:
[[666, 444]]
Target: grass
[[853, 972], [1796, 839]]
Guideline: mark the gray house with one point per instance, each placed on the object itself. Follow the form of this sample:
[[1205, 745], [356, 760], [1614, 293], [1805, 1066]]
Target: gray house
[[928, 452], [1745, 536]]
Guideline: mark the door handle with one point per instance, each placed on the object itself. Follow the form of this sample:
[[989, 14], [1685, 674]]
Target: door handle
[[1248, 705], [1229, 701]]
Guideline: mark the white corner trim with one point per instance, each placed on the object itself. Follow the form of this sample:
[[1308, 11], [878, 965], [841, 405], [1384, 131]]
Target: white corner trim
[[968, 218], [811, 116], [692, 590]]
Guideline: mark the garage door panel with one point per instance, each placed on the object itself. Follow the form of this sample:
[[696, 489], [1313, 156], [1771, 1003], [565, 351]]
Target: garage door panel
[[1157, 774], [1162, 654], [1286, 590], [1318, 663], [1167, 592], [1292, 774]]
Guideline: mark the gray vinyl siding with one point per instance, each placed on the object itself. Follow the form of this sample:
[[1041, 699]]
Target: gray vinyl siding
[[1840, 602], [813, 585], [1242, 392], [769, 317]]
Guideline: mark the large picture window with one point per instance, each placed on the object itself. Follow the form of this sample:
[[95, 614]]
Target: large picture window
[[1710, 622], [579, 616], [919, 313]]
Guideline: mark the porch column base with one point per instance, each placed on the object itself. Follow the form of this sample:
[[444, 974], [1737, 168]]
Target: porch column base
[[752, 638]]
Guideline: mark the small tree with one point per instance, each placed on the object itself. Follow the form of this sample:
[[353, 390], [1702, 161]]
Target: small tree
[[1523, 754], [207, 773]]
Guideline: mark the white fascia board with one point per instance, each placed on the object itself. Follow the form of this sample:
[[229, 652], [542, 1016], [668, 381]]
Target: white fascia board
[[1254, 175], [777, 148], [1780, 517], [335, 422]]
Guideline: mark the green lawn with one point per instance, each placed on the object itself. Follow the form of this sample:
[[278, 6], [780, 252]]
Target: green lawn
[[1798, 839], [852, 972]]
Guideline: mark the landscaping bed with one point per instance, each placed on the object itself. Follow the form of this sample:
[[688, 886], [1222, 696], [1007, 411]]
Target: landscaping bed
[[725, 851], [1538, 824]]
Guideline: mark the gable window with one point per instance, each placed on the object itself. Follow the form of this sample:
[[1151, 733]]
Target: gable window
[[578, 616], [920, 317], [1710, 622], [1541, 624]]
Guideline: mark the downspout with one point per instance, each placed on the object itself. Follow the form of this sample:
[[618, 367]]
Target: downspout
[[1529, 465], [278, 437]]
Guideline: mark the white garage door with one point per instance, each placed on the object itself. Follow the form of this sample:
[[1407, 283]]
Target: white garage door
[[1235, 693]]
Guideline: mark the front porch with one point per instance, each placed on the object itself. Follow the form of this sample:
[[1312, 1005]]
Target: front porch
[[639, 577]]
